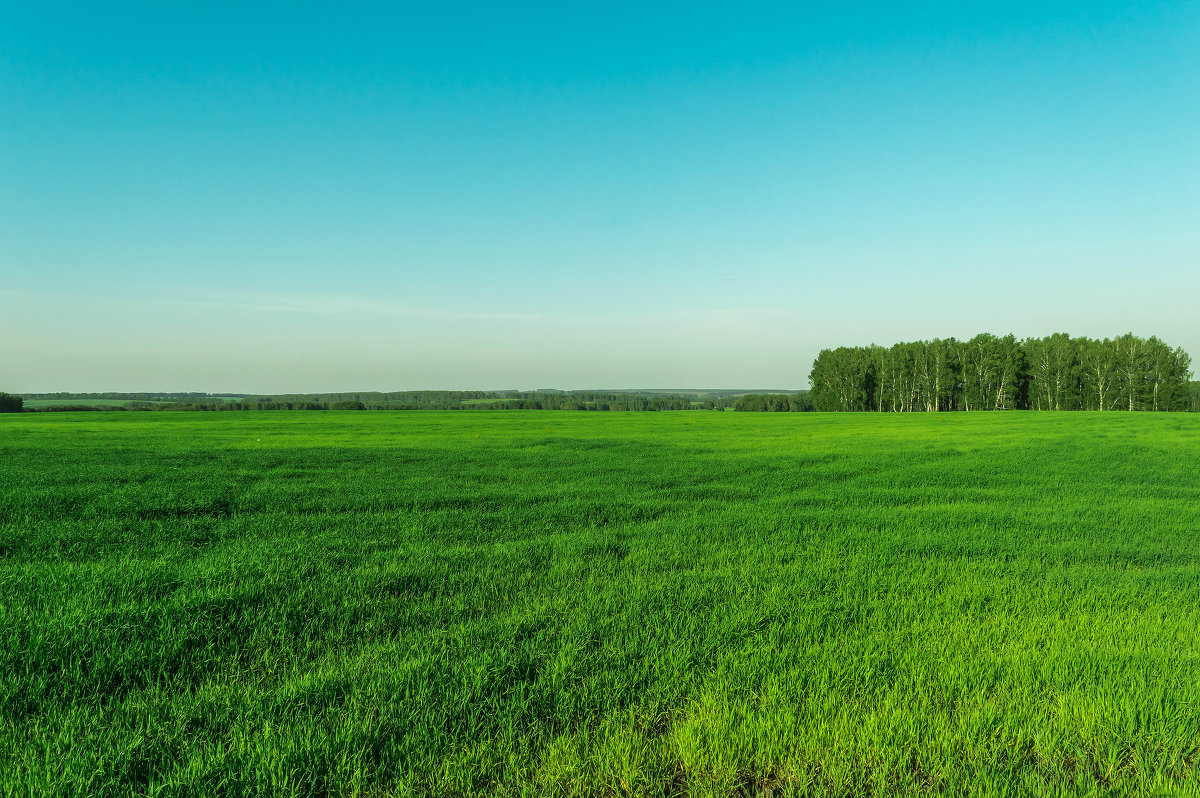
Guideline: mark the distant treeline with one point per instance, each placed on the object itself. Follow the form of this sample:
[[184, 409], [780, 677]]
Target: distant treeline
[[450, 400], [398, 400], [139, 396], [775, 403], [986, 372], [590, 400], [989, 372]]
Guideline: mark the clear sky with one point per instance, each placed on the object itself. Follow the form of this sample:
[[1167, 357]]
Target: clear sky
[[272, 197]]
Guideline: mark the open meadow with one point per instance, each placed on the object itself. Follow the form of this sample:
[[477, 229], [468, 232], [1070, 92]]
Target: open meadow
[[569, 603]]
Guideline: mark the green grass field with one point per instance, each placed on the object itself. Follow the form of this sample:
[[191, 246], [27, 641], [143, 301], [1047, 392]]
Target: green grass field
[[555, 603]]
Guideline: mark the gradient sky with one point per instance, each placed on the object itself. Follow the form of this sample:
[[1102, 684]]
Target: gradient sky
[[272, 197]]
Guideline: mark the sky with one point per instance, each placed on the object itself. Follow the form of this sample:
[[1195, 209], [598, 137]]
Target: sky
[[292, 197]]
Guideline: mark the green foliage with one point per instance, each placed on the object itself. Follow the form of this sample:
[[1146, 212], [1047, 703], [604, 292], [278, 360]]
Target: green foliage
[[84, 404], [547, 399], [774, 403], [700, 604], [993, 373], [10, 403]]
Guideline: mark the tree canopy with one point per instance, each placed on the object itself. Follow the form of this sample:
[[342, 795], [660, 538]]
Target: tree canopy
[[774, 402], [990, 372]]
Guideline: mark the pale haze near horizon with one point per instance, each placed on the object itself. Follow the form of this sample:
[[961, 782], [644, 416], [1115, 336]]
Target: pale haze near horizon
[[522, 197]]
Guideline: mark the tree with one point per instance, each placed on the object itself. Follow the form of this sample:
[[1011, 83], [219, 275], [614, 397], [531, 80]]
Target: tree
[[1132, 365], [1099, 371], [935, 374], [1054, 372], [11, 404], [1168, 375], [1012, 389]]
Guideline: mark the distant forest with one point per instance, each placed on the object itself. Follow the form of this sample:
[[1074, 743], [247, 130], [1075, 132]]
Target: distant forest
[[988, 372], [544, 399]]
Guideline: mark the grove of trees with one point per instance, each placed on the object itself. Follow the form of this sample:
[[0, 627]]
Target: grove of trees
[[10, 403], [774, 402], [992, 372]]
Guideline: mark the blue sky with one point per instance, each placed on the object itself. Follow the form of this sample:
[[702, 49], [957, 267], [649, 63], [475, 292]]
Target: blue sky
[[303, 197]]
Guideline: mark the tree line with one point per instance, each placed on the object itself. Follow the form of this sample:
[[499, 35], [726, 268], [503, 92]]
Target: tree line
[[774, 403], [989, 372], [480, 400], [181, 396], [398, 400]]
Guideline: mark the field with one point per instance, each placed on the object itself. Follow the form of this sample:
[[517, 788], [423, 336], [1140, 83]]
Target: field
[[556, 603]]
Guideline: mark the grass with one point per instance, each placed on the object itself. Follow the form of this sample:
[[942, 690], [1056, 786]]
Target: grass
[[555, 603]]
